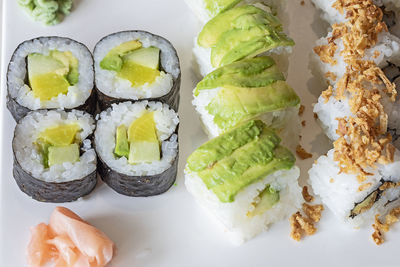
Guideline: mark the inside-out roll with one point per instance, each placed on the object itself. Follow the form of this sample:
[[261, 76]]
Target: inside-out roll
[[244, 90], [245, 179], [137, 146], [50, 73], [136, 65]]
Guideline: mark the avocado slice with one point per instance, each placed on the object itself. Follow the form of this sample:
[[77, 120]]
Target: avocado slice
[[62, 154], [215, 149], [242, 166], [251, 72], [217, 6], [142, 136], [146, 56], [60, 135], [68, 59], [113, 59], [242, 17], [266, 200], [237, 44], [233, 105], [121, 143], [43, 149]]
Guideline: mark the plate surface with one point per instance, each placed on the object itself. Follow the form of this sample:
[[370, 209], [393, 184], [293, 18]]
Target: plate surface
[[171, 230]]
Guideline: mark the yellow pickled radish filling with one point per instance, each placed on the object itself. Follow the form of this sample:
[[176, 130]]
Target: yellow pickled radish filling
[[137, 74], [144, 146], [49, 85], [57, 144]]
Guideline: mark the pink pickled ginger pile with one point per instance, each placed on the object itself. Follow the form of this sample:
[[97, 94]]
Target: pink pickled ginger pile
[[68, 241]]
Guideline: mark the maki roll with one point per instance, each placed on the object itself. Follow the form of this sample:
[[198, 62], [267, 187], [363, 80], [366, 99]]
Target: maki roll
[[137, 146], [245, 179], [53, 157], [352, 202], [244, 90], [50, 73], [136, 65], [241, 32]]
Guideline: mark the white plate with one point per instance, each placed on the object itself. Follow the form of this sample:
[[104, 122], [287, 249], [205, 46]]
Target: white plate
[[170, 230]]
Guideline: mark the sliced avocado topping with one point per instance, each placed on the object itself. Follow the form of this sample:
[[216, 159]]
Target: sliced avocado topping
[[121, 143], [264, 201], [146, 56], [212, 31], [113, 59], [233, 105], [62, 154], [142, 136], [237, 44], [51, 75], [215, 149], [245, 165], [61, 135], [217, 6], [251, 72]]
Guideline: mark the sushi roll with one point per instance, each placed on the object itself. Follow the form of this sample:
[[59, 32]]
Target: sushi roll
[[244, 90], [136, 65], [334, 11], [352, 202], [53, 157], [328, 62], [50, 73], [207, 9], [245, 179], [238, 33], [137, 146]]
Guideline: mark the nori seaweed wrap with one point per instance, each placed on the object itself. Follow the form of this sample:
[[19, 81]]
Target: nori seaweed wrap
[[136, 65], [50, 73], [137, 147], [53, 156]]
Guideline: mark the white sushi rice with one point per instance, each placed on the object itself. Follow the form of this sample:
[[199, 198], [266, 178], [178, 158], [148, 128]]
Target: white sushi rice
[[108, 82], [17, 72], [340, 191], [202, 58], [388, 48], [286, 122], [166, 121], [27, 132], [233, 216]]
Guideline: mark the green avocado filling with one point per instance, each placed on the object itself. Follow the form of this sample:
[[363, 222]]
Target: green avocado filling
[[58, 144], [139, 143], [51, 75], [49, 12], [238, 158], [265, 200], [241, 32], [132, 62], [217, 6]]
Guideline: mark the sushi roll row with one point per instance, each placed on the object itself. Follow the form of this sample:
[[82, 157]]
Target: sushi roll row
[[51, 96], [244, 176], [359, 112]]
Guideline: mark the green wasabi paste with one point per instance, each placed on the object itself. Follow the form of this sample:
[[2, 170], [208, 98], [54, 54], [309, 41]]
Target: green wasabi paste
[[49, 12]]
